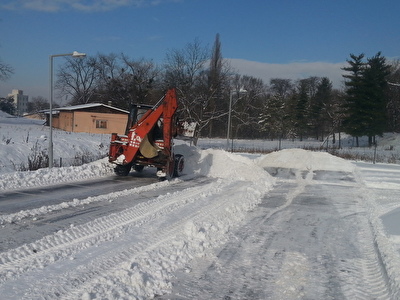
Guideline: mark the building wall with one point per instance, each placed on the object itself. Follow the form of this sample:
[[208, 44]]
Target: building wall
[[91, 122], [20, 101], [64, 120]]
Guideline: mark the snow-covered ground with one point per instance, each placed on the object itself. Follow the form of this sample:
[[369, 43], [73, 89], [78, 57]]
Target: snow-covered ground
[[236, 230], [24, 139]]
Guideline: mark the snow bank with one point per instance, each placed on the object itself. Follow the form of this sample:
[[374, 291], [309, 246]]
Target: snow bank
[[305, 160], [211, 163], [43, 177], [221, 164], [4, 114]]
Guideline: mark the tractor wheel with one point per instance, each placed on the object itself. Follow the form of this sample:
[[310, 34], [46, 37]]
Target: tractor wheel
[[122, 170], [179, 165]]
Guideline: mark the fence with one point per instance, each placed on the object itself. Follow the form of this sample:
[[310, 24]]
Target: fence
[[41, 161], [380, 154]]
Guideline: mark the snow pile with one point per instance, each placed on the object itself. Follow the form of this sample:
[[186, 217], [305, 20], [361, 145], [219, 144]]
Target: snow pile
[[220, 164], [212, 163], [305, 160], [43, 177], [4, 114]]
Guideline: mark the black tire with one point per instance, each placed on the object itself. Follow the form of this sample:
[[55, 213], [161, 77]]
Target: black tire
[[122, 170], [179, 165]]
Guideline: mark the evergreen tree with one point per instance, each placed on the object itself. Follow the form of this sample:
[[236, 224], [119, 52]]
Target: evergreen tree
[[374, 85], [365, 102], [352, 106], [7, 105]]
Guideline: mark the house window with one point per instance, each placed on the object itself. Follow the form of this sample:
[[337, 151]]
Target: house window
[[101, 124]]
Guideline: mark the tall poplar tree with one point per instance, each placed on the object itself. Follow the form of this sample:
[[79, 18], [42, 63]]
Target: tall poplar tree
[[214, 82]]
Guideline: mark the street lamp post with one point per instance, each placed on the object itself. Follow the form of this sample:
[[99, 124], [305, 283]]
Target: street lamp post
[[73, 54], [241, 91]]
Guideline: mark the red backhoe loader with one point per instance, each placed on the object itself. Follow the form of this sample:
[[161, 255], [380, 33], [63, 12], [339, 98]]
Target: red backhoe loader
[[149, 142]]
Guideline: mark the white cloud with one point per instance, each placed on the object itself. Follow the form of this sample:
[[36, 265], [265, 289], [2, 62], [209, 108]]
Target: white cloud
[[294, 71], [79, 5], [38, 5], [102, 5]]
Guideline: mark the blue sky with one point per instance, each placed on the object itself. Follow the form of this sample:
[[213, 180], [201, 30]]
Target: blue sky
[[267, 39]]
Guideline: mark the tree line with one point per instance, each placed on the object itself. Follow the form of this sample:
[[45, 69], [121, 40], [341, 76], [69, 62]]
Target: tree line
[[368, 105]]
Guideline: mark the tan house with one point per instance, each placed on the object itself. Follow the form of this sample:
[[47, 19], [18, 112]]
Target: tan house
[[91, 118]]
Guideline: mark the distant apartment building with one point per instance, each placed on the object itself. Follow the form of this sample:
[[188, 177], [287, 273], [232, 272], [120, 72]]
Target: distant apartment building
[[20, 102]]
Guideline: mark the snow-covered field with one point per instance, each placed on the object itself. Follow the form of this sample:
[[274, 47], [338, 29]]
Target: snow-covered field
[[292, 224]]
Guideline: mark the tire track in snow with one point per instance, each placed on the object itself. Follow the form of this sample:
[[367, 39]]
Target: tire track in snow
[[363, 276], [245, 285], [103, 230], [74, 239], [280, 271], [380, 270]]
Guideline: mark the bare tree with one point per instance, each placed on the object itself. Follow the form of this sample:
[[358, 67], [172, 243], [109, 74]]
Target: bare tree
[[274, 117], [247, 106], [281, 87], [145, 77], [37, 104], [109, 87], [186, 69], [125, 81], [393, 95], [5, 71], [184, 66], [77, 78]]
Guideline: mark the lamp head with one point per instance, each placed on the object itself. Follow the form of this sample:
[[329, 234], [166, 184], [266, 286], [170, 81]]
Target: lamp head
[[78, 54]]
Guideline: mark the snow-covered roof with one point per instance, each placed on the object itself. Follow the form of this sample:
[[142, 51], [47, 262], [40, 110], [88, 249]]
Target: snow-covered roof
[[88, 105]]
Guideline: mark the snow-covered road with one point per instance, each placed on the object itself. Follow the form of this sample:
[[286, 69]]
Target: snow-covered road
[[309, 238], [30, 198], [226, 230]]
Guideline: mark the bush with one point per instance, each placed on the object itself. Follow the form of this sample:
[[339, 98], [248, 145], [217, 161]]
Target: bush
[[37, 159]]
